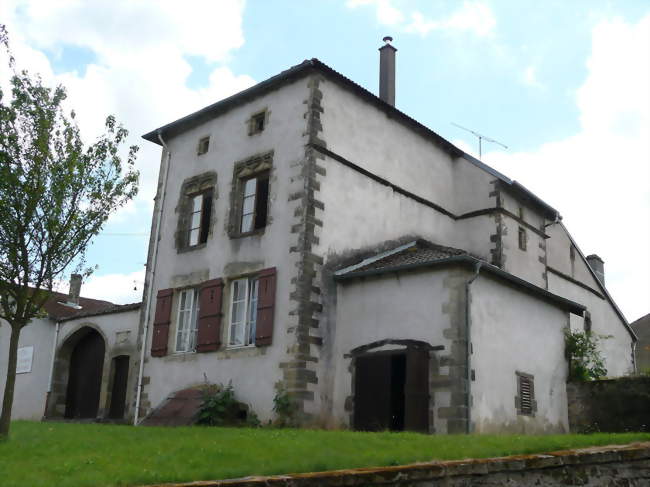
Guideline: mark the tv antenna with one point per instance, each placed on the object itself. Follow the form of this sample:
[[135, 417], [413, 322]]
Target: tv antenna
[[481, 138]]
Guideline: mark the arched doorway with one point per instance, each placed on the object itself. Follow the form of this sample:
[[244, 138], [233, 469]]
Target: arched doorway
[[85, 376]]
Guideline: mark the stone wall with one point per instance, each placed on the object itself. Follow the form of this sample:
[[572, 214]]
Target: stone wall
[[615, 405], [627, 465]]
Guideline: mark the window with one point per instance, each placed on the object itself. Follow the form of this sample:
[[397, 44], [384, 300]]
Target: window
[[522, 238], [572, 258], [199, 218], [525, 400], [186, 324], [250, 196], [587, 323], [204, 145], [195, 211], [257, 123], [243, 312], [521, 212], [255, 197]]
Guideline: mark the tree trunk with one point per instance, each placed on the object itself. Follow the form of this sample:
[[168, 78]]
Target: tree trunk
[[8, 399]]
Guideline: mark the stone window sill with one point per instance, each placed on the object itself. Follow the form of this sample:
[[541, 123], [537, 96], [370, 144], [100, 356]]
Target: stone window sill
[[193, 247]]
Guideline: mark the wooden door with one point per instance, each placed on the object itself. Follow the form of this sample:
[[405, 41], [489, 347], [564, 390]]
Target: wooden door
[[85, 379], [372, 398], [118, 393], [416, 391]]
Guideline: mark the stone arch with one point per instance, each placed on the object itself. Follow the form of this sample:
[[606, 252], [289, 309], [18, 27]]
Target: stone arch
[[81, 344]]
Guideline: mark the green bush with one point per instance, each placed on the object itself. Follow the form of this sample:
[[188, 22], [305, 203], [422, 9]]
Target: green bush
[[585, 360], [283, 407], [220, 407]]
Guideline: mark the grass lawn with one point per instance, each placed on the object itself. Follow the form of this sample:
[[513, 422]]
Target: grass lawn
[[61, 454]]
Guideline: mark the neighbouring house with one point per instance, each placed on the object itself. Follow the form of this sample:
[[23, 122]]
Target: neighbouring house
[[76, 362], [309, 237], [642, 329], [308, 234]]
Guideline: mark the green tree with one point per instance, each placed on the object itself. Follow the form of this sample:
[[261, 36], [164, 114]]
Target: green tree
[[56, 193], [585, 360]]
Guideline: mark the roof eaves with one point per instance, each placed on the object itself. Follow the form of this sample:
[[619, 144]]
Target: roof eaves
[[118, 308], [571, 306]]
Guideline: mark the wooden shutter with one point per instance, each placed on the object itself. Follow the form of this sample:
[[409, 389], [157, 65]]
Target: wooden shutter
[[161, 323], [210, 298], [416, 391], [265, 307]]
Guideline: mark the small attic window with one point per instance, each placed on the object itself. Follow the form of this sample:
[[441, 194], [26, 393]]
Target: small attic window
[[521, 212], [204, 145], [257, 123], [525, 400]]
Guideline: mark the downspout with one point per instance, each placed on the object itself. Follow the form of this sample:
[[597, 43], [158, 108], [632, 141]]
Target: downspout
[[151, 269], [468, 351], [51, 377]]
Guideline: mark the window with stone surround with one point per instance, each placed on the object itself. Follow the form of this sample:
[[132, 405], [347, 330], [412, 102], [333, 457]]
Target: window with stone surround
[[187, 320], [203, 146], [257, 122], [243, 311], [525, 400], [522, 238], [195, 211], [250, 196]]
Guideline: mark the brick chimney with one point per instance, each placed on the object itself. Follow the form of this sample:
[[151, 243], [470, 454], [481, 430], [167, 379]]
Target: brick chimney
[[387, 71], [598, 266], [75, 289]]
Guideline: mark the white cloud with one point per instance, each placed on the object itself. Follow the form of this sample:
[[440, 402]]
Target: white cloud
[[599, 178], [386, 13], [474, 17], [529, 78], [140, 68], [116, 288]]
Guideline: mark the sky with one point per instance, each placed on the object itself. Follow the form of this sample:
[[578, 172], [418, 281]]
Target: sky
[[564, 85]]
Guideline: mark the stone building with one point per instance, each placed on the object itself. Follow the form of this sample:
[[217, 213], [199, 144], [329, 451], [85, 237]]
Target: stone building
[[76, 361], [309, 234]]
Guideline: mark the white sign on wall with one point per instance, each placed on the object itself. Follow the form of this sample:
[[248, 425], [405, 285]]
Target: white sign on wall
[[25, 359]]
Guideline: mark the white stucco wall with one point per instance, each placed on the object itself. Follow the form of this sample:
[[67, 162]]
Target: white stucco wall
[[253, 371], [30, 392], [369, 138], [513, 331]]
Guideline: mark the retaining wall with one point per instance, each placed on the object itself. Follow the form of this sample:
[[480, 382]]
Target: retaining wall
[[624, 465], [614, 405]]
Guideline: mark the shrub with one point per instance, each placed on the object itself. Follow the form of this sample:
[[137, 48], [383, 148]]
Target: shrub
[[220, 407], [283, 407], [585, 360]]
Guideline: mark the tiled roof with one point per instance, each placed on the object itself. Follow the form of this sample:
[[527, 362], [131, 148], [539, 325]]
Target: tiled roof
[[412, 254], [58, 311], [111, 308]]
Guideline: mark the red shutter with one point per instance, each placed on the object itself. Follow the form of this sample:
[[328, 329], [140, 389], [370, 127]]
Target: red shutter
[[209, 335], [265, 307], [161, 323]]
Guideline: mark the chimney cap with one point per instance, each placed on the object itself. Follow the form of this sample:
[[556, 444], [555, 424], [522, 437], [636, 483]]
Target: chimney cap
[[388, 45]]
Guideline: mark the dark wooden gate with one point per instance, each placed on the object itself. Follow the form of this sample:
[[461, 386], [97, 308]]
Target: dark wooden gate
[[391, 391], [416, 391], [118, 392], [372, 403], [85, 379]]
